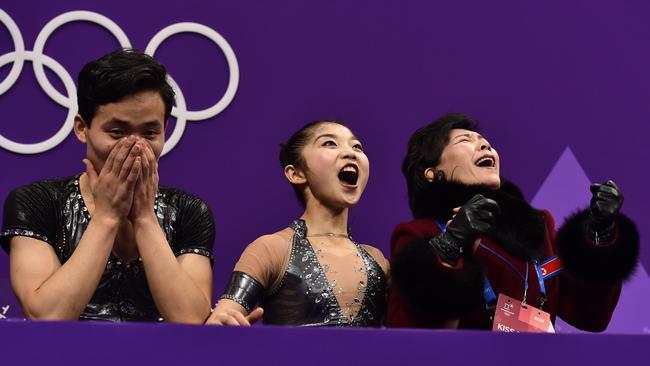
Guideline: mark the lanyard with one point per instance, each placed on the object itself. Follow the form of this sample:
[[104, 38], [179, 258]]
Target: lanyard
[[488, 293]]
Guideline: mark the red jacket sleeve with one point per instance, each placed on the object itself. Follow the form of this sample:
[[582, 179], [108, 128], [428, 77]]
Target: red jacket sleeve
[[424, 290], [590, 284]]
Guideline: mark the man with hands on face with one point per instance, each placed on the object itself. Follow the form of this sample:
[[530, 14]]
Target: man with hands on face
[[474, 237], [110, 244]]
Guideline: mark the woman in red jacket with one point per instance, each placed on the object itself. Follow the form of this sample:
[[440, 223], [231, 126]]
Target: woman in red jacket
[[475, 237]]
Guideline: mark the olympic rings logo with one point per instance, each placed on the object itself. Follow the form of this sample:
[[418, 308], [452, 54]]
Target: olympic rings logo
[[38, 59]]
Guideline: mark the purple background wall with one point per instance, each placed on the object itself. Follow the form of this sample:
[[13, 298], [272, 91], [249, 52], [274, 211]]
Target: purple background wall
[[540, 78]]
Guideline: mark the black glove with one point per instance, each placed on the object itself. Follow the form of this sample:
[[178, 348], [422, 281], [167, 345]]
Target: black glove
[[474, 218], [606, 202]]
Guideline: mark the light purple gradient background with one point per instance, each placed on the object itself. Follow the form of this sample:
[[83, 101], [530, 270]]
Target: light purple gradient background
[[540, 78]]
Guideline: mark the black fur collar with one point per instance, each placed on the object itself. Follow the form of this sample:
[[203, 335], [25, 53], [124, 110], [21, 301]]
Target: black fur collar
[[519, 229]]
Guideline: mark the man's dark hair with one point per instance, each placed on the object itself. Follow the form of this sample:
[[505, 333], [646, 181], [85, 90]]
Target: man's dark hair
[[424, 151], [119, 74], [291, 151]]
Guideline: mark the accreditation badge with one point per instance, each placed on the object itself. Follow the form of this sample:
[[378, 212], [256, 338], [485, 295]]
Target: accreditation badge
[[511, 316]]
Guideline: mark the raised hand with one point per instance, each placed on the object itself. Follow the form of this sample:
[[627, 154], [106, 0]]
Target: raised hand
[[474, 218], [147, 184], [113, 187], [606, 202]]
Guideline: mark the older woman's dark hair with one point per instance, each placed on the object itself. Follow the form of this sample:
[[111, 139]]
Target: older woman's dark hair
[[424, 151], [119, 74], [291, 151]]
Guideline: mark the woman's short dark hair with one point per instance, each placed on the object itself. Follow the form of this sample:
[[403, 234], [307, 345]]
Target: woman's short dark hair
[[119, 74], [424, 151], [291, 151]]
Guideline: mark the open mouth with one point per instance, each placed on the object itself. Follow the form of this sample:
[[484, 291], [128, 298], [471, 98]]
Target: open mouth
[[486, 162], [349, 175]]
